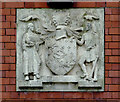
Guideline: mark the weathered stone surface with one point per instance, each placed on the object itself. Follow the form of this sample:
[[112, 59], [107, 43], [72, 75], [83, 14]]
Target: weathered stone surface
[[60, 50]]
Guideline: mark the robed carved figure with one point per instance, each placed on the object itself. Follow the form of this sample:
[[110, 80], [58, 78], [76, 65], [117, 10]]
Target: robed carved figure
[[31, 58]]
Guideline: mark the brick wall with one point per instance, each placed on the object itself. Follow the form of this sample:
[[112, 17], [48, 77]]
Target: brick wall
[[8, 55]]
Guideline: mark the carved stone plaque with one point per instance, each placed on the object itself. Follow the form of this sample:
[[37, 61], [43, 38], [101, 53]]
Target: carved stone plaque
[[60, 49]]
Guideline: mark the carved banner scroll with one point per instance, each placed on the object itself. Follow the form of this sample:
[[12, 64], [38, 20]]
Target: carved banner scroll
[[60, 49]]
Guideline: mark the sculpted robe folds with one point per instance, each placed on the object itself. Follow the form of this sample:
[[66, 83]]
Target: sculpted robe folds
[[60, 49], [31, 58]]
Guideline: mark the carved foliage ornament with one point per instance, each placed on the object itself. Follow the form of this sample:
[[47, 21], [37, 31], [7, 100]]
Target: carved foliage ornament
[[60, 50]]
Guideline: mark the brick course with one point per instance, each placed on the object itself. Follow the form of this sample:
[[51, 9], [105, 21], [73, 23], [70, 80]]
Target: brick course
[[8, 54]]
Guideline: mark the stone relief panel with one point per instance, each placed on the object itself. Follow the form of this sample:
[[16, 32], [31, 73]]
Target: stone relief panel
[[60, 49]]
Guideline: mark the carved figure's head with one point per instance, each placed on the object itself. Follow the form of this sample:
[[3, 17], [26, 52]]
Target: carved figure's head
[[31, 26]]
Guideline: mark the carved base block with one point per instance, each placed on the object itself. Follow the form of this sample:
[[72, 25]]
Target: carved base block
[[28, 84], [66, 83], [87, 84]]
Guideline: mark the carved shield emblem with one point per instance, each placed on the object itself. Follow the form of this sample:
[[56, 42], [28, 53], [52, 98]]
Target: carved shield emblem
[[61, 55]]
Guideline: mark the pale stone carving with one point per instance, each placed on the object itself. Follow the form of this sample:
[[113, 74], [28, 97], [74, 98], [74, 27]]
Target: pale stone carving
[[89, 40], [58, 48], [31, 59]]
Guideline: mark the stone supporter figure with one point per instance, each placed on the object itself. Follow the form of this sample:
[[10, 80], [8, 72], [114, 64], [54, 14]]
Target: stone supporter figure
[[89, 41], [31, 59]]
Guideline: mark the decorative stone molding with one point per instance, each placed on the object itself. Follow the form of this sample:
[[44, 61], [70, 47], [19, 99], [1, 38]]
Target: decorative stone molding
[[60, 49]]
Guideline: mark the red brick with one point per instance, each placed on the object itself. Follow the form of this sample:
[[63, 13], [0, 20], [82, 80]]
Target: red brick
[[31, 95], [40, 5], [107, 52], [13, 38], [10, 18], [10, 74], [107, 66], [4, 67], [14, 4], [102, 95], [115, 24], [13, 12], [107, 17], [88, 95], [55, 95], [112, 4], [116, 38], [73, 95], [2, 59], [106, 58], [106, 45], [3, 31], [107, 95], [115, 81], [13, 25], [12, 81], [113, 87], [10, 88], [116, 52], [5, 24], [5, 80], [29, 4], [2, 5], [5, 95], [108, 38], [100, 4], [10, 32], [114, 31], [1, 25], [5, 38], [84, 4], [108, 11], [115, 66], [113, 44], [107, 24], [115, 95], [13, 52], [2, 18], [114, 18], [114, 59], [5, 11], [115, 11], [2, 45], [12, 66], [14, 95], [113, 73], [2, 88], [97, 95], [2, 74], [5, 52], [106, 74], [107, 80], [106, 87], [9, 59], [106, 31], [10, 45]]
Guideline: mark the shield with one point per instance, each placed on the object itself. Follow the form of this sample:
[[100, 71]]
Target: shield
[[61, 55]]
